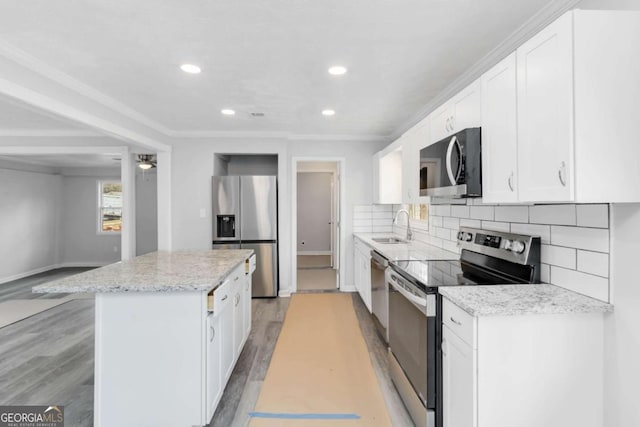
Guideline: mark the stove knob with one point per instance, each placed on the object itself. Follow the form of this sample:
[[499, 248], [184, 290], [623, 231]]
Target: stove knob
[[518, 246], [508, 244], [468, 237]]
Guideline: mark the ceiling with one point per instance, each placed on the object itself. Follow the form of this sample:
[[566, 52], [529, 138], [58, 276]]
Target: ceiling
[[15, 115], [269, 56]]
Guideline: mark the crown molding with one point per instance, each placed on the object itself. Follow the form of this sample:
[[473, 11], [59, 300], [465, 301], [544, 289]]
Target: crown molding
[[338, 137], [52, 133], [209, 134], [30, 62], [537, 22]]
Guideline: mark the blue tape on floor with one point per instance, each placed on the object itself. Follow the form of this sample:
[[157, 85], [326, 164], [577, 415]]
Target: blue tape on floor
[[304, 416]]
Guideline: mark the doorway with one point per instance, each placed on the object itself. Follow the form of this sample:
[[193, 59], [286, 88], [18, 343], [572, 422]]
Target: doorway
[[317, 213]]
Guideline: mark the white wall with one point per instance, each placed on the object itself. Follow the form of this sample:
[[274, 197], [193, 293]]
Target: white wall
[[28, 222], [314, 212], [622, 339], [80, 243], [192, 168], [146, 211]]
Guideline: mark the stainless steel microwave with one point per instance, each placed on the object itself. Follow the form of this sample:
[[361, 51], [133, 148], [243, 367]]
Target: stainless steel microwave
[[452, 167]]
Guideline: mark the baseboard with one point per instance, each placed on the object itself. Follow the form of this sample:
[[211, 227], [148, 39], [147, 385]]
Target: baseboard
[[27, 273], [52, 267], [348, 289], [284, 293], [314, 252]]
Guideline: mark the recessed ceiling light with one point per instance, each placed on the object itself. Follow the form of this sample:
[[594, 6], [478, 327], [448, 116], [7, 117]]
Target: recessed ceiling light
[[227, 112], [337, 70], [328, 112], [190, 68]]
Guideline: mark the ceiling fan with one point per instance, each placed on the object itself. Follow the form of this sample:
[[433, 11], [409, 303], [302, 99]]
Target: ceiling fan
[[146, 161]]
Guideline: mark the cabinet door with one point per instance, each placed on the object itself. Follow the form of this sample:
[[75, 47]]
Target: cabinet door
[[226, 341], [214, 386], [415, 139], [238, 321], [500, 133], [545, 114], [247, 307], [466, 108], [366, 280], [458, 381], [441, 122]]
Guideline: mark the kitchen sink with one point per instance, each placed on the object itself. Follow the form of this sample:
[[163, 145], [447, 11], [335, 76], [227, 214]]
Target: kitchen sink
[[388, 240]]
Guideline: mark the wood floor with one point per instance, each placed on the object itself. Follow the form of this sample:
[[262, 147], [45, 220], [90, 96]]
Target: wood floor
[[21, 288], [48, 359]]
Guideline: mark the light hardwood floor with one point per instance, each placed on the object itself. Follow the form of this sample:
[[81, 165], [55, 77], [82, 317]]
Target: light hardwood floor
[[48, 359]]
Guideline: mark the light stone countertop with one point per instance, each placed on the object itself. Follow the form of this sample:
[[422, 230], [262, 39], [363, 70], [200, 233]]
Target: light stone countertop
[[412, 250], [512, 300], [155, 272]]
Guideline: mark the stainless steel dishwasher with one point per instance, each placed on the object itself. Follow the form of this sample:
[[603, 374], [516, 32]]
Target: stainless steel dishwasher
[[379, 294]]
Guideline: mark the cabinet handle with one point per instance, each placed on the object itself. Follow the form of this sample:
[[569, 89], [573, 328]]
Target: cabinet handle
[[452, 124], [213, 333], [510, 181], [224, 297], [443, 347], [236, 279], [455, 321], [237, 299], [562, 173]]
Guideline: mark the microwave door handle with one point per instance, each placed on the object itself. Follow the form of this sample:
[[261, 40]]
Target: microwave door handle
[[453, 179], [422, 302]]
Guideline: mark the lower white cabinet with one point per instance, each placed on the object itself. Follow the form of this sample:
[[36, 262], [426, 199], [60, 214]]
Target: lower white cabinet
[[247, 306], [214, 382], [522, 370], [362, 271], [226, 316]]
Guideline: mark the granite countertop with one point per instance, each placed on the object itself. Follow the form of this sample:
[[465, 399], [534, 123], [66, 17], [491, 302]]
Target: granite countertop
[[511, 300], [411, 250], [155, 272]]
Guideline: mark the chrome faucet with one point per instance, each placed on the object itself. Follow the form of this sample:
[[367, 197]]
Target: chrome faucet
[[395, 221]]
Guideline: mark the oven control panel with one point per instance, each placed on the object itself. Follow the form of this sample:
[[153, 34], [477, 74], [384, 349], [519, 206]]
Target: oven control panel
[[508, 246]]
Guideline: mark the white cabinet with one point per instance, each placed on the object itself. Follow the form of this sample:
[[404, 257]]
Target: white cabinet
[[214, 382], [238, 320], [387, 175], [362, 271], [500, 133], [225, 313], [578, 92], [522, 370], [545, 114], [247, 306], [413, 141], [458, 375], [460, 112]]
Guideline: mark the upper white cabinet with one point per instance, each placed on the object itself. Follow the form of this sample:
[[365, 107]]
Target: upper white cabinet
[[500, 133], [545, 114], [578, 94], [387, 174], [412, 141], [460, 112]]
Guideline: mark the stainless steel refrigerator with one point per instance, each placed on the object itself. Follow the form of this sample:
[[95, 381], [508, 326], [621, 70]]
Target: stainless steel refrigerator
[[245, 215]]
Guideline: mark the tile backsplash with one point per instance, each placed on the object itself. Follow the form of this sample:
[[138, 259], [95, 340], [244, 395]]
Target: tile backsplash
[[575, 238]]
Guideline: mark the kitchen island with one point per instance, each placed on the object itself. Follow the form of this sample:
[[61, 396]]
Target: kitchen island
[[169, 327]]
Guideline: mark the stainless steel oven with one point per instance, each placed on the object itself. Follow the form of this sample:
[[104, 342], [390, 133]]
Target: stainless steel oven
[[415, 309], [379, 294]]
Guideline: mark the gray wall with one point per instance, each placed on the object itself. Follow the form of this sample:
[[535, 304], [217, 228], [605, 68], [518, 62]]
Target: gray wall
[[146, 211], [314, 212], [80, 243], [253, 165], [28, 222]]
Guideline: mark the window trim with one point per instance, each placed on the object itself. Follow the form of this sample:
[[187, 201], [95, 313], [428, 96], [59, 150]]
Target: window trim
[[99, 230]]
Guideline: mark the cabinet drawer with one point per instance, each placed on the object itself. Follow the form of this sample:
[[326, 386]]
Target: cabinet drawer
[[222, 296], [459, 321]]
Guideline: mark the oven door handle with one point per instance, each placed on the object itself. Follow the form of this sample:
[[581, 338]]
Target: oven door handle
[[422, 302]]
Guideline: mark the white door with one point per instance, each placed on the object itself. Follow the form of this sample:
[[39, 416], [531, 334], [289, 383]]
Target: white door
[[500, 133], [458, 381], [545, 114]]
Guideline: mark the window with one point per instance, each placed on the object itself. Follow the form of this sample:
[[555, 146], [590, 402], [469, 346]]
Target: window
[[109, 207]]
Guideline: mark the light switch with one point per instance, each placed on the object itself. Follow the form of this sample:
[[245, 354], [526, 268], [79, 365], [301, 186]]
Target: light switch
[[203, 213]]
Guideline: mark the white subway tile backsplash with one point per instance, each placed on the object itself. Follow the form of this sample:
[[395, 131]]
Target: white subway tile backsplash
[[475, 223], [361, 215], [460, 211], [381, 222], [386, 215], [481, 212], [591, 239], [435, 221], [382, 229], [443, 233], [586, 284], [545, 273], [450, 246], [558, 256], [553, 214], [496, 226], [512, 213], [593, 216], [441, 210], [362, 223], [593, 263], [536, 230], [381, 208], [362, 208], [451, 223]]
